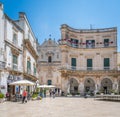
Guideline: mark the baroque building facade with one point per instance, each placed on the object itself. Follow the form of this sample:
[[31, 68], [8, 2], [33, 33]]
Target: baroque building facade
[[48, 63], [18, 52], [89, 60]]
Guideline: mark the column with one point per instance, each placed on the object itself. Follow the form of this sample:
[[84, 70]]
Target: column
[[81, 86], [115, 85], [97, 84]]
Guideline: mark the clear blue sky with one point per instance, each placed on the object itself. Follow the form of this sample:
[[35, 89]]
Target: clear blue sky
[[46, 16]]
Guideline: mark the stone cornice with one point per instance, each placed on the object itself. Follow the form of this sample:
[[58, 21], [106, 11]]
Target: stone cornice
[[14, 72], [31, 77], [102, 30], [15, 47], [67, 73], [28, 45]]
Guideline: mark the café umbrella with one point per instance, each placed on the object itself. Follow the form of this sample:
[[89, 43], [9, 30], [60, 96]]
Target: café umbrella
[[23, 83], [46, 86]]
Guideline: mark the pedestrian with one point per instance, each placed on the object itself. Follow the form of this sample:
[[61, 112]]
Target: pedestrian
[[53, 93], [24, 95], [58, 92], [50, 92], [7, 96]]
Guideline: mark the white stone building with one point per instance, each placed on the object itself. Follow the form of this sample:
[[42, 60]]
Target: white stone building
[[18, 52]]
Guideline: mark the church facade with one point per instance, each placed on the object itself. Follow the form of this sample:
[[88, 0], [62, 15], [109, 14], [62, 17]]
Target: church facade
[[48, 63]]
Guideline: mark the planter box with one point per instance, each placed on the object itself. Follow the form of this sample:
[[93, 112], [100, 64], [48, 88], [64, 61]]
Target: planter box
[[77, 95], [69, 95]]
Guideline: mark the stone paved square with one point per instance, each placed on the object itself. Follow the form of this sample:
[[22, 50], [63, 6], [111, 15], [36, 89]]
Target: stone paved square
[[61, 107]]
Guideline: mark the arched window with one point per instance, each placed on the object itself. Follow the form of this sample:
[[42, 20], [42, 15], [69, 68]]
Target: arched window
[[49, 59]]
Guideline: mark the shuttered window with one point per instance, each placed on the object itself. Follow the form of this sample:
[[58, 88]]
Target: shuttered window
[[14, 59], [15, 62], [28, 66], [73, 63], [106, 42], [106, 63], [89, 64]]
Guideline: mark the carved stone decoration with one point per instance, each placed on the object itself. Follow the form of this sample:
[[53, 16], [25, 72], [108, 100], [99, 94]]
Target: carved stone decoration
[[15, 52], [49, 73]]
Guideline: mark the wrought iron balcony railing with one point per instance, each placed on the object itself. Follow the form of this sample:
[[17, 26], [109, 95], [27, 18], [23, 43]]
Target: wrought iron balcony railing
[[68, 67], [2, 65], [15, 67]]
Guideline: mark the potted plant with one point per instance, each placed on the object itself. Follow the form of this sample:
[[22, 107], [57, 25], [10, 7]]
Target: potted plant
[[98, 93], [1, 97], [112, 92], [78, 94], [69, 95]]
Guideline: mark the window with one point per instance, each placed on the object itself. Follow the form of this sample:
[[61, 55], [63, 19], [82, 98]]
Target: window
[[89, 64], [28, 67], [49, 82], [34, 69], [49, 59], [106, 42], [74, 42], [15, 61], [73, 63], [90, 43], [15, 39], [106, 63]]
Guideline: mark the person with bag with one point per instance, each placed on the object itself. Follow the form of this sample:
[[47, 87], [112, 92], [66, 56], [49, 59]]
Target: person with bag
[[24, 95]]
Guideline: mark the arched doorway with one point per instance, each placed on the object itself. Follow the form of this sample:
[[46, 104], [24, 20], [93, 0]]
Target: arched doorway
[[74, 86], [89, 85], [106, 86]]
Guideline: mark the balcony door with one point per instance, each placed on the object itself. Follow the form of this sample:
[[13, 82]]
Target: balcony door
[[73, 63], [89, 64]]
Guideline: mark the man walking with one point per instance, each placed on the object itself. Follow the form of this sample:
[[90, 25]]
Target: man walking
[[24, 96]]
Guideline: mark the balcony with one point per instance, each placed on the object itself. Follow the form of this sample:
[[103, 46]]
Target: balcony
[[106, 68], [2, 65], [68, 67], [30, 72], [15, 67], [86, 45]]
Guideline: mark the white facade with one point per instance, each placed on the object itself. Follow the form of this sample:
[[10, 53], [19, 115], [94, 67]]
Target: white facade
[[1, 34], [12, 47], [17, 48], [30, 51]]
